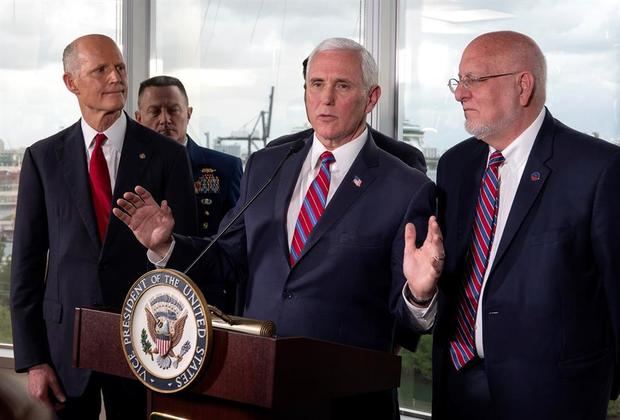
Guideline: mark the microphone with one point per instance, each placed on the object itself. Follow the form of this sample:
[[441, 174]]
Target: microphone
[[294, 148]]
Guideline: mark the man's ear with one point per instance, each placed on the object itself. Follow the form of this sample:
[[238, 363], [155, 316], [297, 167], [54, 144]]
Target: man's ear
[[189, 112], [138, 116], [70, 83], [527, 83], [373, 98]]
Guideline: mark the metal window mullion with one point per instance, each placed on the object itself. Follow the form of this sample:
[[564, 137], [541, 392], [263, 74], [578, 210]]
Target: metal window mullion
[[135, 38], [380, 38]]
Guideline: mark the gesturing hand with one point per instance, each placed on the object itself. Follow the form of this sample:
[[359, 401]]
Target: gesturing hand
[[151, 224], [43, 386], [422, 266]]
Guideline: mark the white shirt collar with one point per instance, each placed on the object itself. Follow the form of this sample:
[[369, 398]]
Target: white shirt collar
[[519, 150], [344, 155], [115, 133]]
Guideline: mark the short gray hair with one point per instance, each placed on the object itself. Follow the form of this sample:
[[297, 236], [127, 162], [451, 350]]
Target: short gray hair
[[370, 74], [69, 59]]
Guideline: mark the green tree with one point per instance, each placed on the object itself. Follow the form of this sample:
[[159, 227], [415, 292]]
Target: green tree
[[613, 411], [422, 357], [5, 325], [5, 274]]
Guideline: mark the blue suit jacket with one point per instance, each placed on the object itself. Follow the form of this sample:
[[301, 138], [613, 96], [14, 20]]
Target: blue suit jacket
[[551, 307], [407, 154], [59, 262], [347, 285], [217, 178]]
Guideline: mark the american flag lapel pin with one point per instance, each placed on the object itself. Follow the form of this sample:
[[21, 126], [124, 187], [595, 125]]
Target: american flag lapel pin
[[357, 181], [535, 176]]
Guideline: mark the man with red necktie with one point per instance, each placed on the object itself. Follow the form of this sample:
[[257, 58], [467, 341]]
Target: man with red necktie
[[67, 251]]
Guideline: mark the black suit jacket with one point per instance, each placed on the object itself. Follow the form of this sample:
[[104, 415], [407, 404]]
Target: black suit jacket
[[59, 262], [217, 178], [407, 154], [347, 285], [551, 306]]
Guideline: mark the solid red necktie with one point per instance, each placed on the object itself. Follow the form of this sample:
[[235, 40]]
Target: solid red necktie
[[463, 345], [312, 207], [100, 186]]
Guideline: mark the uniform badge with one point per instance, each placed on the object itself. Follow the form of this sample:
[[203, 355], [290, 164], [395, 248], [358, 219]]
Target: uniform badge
[[165, 330], [207, 182]]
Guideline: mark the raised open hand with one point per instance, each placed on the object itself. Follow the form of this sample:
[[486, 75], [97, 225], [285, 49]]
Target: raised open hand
[[422, 266], [150, 223]]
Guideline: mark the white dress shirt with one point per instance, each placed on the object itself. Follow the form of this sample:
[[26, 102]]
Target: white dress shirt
[[510, 173], [111, 148], [344, 157]]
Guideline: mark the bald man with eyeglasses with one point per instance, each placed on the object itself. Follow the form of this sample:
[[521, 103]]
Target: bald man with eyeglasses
[[526, 316]]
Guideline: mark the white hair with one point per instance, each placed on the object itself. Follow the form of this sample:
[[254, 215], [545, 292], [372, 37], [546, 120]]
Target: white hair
[[370, 74]]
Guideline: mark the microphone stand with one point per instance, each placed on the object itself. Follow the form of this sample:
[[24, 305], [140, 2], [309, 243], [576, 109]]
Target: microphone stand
[[295, 147]]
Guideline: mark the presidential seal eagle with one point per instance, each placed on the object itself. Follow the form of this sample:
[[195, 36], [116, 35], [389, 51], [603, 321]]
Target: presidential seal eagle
[[165, 325]]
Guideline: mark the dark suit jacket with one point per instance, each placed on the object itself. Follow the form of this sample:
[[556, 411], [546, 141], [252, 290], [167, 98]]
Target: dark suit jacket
[[59, 262], [217, 178], [551, 307], [410, 156], [347, 285], [403, 151]]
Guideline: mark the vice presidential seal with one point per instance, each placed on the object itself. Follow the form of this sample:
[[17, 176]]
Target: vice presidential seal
[[166, 330]]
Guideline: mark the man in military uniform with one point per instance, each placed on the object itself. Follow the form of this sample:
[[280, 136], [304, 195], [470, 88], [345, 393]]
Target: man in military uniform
[[163, 106]]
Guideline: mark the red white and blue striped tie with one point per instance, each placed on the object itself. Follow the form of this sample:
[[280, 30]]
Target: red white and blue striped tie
[[312, 208], [463, 345]]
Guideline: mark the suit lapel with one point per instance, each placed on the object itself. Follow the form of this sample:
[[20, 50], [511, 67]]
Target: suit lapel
[[364, 168], [192, 152], [529, 186], [286, 184], [135, 157], [71, 153]]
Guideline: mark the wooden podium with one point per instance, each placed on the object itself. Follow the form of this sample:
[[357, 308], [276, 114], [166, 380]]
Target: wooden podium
[[247, 377]]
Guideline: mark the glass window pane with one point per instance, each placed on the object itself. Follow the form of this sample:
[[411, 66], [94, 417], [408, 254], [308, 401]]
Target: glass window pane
[[35, 103], [581, 43], [229, 55]]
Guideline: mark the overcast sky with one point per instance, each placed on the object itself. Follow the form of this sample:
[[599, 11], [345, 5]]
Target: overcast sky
[[230, 52]]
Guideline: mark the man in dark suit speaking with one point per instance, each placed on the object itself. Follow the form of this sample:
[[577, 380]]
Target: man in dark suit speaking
[[322, 247], [67, 251], [528, 308]]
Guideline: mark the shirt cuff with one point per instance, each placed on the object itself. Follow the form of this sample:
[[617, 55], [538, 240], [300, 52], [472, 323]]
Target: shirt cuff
[[422, 318], [163, 261]]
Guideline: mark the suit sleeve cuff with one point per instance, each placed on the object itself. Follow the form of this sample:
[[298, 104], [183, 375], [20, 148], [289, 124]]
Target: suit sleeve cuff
[[156, 260], [423, 318]]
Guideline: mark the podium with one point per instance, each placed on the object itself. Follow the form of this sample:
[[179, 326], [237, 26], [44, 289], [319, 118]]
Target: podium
[[247, 377]]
